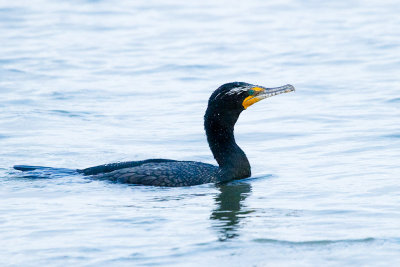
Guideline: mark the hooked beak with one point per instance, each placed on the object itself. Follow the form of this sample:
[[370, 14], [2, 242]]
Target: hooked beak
[[261, 93]]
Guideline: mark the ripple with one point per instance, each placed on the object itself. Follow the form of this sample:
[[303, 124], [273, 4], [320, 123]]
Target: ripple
[[315, 242], [394, 100]]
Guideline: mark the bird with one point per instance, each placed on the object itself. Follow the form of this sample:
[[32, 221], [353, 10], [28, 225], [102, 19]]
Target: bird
[[225, 105]]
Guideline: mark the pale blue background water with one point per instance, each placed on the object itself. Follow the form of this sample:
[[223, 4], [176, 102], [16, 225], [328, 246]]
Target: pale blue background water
[[90, 82]]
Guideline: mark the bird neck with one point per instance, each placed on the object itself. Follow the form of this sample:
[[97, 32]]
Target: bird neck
[[231, 159]]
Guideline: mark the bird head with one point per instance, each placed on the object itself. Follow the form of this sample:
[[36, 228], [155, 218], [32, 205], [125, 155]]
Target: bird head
[[238, 96]]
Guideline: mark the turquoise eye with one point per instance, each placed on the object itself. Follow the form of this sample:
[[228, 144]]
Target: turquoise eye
[[251, 92]]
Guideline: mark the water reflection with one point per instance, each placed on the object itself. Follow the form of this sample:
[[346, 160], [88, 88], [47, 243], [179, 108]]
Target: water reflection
[[230, 209]]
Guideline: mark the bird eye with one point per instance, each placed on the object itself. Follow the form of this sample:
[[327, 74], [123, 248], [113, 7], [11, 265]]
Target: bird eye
[[251, 92]]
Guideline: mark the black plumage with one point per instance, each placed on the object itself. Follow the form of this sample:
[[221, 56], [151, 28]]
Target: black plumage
[[224, 108]]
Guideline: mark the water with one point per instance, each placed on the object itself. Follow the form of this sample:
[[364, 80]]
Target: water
[[90, 82]]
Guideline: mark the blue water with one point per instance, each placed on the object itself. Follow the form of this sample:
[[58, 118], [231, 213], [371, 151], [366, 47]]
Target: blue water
[[84, 83]]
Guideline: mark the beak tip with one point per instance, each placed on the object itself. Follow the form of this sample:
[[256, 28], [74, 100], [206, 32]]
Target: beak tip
[[291, 88]]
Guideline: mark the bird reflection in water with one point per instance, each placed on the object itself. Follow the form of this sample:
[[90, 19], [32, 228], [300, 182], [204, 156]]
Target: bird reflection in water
[[230, 209]]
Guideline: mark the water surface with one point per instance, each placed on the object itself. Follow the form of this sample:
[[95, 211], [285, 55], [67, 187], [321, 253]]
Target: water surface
[[89, 82]]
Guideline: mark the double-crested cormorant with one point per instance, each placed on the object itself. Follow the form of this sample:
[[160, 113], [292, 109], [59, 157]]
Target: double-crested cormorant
[[224, 108]]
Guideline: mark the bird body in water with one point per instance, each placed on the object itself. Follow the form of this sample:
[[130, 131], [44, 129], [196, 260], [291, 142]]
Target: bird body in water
[[224, 108]]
